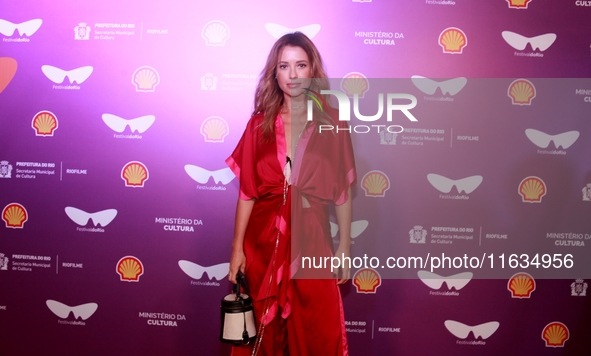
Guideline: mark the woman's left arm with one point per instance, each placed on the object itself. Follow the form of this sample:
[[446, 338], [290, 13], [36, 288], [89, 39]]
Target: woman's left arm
[[343, 213]]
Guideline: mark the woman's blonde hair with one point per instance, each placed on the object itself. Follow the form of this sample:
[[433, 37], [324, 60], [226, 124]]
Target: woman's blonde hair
[[268, 97]]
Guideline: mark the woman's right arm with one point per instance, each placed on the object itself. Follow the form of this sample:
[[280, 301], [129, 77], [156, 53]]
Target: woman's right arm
[[238, 259]]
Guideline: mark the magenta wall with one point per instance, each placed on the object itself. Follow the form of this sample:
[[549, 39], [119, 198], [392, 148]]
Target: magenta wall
[[90, 251]]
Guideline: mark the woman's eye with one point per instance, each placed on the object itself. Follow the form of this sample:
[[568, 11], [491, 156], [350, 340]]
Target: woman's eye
[[302, 65], [282, 66]]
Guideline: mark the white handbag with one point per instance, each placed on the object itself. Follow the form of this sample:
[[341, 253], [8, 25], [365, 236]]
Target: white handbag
[[238, 320]]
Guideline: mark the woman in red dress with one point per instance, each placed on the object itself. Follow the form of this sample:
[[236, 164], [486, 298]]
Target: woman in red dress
[[289, 174]]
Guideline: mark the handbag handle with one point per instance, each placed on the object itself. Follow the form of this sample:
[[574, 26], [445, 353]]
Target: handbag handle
[[240, 280]]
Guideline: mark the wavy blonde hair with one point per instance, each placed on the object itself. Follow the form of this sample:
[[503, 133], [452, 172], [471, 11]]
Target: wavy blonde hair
[[268, 97]]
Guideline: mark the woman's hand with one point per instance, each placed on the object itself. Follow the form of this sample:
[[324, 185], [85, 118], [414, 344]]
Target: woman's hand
[[237, 263], [344, 272]]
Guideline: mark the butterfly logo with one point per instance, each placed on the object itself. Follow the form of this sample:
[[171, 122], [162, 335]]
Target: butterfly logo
[[429, 86], [118, 124], [56, 75], [462, 331], [519, 42], [435, 281], [83, 311], [277, 30], [27, 28], [81, 217], [202, 175], [542, 139], [357, 228], [444, 184], [196, 271]]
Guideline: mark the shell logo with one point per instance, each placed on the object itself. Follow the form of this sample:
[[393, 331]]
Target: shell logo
[[130, 269], [521, 92], [555, 334], [44, 123], [453, 40], [135, 174], [14, 215], [518, 4], [145, 79], [532, 189], [215, 33], [521, 285], [7, 71], [375, 184], [367, 281], [355, 83], [214, 129]]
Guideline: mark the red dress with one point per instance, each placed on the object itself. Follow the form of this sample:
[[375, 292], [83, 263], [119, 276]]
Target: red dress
[[300, 316]]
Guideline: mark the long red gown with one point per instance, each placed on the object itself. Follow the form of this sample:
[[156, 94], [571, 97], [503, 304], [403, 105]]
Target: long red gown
[[300, 316]]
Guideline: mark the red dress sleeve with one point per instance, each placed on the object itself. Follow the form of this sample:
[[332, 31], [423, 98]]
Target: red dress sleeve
[[242, 160]]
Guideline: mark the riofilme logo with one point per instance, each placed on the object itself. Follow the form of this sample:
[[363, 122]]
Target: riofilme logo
[[518, 4], [521, 285], [521, 92], [214, 129], [14, 215], [532, 189], [82, 311], [355, 83], [555, 334], [130, 269], [44, 123], [27, 28], [7, 70], [367, 280], [462, 331], [145, 79], [542, 139], [435, 281], [195, 271], [57, 75], [375, 184], [277, 30], [453, 40], [215, 33], [134, 174]]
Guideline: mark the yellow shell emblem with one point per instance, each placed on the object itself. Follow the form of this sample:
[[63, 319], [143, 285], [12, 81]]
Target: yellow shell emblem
[[532, 189], [355, 83], [518, 4], [215, 33], [521, 92], [375, 184], [145, 79], [214, 129], [14, 215], [134, 174], [367, 281], [453, 40], [521, 285], [555, 334], [44, 123], [130, 269]]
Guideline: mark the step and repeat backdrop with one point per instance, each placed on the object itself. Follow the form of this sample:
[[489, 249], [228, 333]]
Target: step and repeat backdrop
[[471, 213]]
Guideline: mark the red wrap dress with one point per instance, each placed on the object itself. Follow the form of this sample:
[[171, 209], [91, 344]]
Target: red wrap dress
[[301, 315]]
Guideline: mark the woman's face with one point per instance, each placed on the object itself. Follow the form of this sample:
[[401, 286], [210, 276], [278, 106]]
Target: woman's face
[[293, 70]]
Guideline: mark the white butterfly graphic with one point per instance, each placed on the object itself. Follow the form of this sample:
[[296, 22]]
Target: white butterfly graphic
[[542, 139], [444, 185], [196, 271], [429, 86], [56, 75], [24, 28], [519, 42], [81, 217], [202, 175], [462, 331], [435, 281], [139, 124], [83, 311], [357, 228], [277, 30]]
